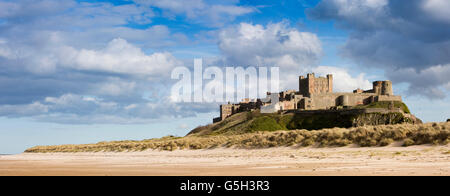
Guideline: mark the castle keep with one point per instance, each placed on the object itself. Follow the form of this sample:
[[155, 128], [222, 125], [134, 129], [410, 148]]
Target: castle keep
[[314, 93]]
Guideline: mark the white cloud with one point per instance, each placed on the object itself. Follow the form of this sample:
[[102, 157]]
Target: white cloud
[[119, 56], [274, 45], [438, 9]]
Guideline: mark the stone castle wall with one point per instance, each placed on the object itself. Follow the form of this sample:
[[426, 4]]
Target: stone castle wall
[[328, 100], [388, 98]]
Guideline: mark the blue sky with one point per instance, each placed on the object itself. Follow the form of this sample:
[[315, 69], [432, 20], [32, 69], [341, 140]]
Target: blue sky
[[89, 71]]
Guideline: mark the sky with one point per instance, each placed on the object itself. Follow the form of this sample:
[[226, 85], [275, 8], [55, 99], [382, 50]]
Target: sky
[[75, 72]]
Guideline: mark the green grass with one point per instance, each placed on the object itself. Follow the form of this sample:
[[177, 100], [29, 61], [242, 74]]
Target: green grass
[[264, 123], [316, 122]]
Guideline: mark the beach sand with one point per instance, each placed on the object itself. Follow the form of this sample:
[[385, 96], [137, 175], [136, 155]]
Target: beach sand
[[390, 160]]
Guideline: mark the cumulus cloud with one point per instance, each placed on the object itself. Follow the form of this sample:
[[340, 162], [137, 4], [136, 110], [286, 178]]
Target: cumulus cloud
[[273, 45], [114, 78], [119, 56], [394, 35], [79, 62], [42, 36], [250, 44]]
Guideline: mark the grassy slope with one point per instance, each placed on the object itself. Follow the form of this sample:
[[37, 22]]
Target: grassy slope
[[246, 122], [380, 135]]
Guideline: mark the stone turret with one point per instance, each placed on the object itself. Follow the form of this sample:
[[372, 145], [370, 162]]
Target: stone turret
[[383, 87], [386, 88]]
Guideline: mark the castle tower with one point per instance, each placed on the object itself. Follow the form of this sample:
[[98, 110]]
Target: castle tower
[[377, 87], [226, 110], [312, 85], [303, 86], [386, 88], [383, 87]]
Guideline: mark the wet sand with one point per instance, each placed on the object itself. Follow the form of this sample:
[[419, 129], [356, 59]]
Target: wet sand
[[391, 160]]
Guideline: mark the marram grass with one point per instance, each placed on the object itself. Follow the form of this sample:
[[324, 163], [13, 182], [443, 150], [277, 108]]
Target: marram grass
[[380, 135]]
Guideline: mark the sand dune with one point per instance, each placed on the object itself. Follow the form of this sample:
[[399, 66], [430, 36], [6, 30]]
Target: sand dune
[[390, 160]]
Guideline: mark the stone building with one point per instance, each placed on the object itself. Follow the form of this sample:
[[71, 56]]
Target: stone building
[[315, 93]]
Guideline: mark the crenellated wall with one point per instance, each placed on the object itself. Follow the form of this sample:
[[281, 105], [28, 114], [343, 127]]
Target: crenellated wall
[[329, 100]]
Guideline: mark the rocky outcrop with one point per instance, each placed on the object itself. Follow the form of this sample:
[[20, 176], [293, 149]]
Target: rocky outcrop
[[384, 119]]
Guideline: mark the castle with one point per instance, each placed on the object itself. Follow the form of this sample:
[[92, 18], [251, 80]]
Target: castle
[[314, 93]]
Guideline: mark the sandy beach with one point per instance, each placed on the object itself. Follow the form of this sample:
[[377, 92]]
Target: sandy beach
[[390, 160]]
